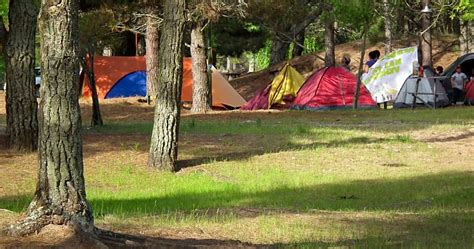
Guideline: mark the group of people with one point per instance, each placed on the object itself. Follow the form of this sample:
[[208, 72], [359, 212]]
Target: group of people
[[373, 58], [459, 80]]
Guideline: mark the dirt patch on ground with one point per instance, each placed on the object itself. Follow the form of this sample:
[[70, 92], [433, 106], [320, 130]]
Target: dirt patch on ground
[[53, 236]]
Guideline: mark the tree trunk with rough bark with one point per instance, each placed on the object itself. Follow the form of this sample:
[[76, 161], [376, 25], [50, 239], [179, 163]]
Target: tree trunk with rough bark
[[426, 51], [279, 51], [329, 43], [466, 40], [471, 36], [21, 105], [164, 141], [152, 49], [141, 46], [355, 105], [388, 26], [60, 196], [201, 82], [89, 71]]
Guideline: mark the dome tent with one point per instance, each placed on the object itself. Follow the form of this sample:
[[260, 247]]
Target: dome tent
[[125, 76], [331, 88], [467, 64], [279, 93], [430, 91]]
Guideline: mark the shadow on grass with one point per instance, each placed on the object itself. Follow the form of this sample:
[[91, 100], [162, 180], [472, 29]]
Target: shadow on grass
[[445, 198], [284, 145], [392, 120], [451, 138], [204, 142], [443, 192]]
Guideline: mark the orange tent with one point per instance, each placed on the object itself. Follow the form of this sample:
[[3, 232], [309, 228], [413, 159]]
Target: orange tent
[[120, 71]]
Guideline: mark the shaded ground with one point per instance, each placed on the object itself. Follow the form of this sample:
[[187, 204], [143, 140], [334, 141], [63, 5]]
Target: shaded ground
[[396, 178]]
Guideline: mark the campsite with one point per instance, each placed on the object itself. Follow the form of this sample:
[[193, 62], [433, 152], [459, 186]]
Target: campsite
[[236, 124]]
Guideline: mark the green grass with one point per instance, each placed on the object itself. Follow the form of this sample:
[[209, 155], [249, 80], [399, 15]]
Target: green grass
[[365, 179], [276, 123]]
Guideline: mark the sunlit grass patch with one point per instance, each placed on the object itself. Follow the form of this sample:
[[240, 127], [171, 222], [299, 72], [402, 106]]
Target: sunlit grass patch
[[359, 179]]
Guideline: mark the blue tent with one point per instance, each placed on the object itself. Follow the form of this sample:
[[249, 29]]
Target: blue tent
[[131, 85]]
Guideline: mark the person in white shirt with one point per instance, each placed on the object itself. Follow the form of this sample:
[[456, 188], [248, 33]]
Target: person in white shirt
[[458, 79]]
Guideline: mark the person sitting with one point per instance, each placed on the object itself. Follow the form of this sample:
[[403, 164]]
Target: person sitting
[[345, 61], [458, 79], [373, 57]]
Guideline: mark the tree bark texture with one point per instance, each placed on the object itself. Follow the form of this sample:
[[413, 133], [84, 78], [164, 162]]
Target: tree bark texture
[[89, 70], [60, 196], [426, 51], [329, 43], [152, 49], [355, 105], [471, 36], [141, 46], [466, 40], [201, 82], [22, 124], [388, 26], [279, 51], [164, 141]]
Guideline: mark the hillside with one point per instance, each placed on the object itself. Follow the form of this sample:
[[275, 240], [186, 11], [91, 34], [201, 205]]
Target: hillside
[[444, 53]]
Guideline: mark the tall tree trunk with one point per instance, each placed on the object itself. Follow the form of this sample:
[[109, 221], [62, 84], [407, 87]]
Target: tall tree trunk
[[466, 40], [329, 43], [279, 51], [22, 124], [471, 36], [152, 49], [426, 51], [89, 70], [388, 26], [298, 48], [164, 140], [141, 46], [361, 67], [60, 196], [201, 82]]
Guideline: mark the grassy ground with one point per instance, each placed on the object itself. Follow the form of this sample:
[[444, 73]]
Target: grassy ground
[[398, 178]]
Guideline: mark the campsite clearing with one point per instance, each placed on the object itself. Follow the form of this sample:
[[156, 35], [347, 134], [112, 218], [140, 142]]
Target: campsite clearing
[[371, 178]]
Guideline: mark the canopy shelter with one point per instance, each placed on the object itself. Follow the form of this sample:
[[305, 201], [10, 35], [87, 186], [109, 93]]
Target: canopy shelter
[[280, 93], [427, 91], [125, 76], [331, 88]]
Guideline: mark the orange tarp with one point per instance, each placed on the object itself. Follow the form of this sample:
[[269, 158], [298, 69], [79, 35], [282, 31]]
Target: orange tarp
[[109, 70]]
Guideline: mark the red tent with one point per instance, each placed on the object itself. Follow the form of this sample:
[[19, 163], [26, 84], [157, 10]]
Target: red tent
[[469, 99], [331, 88]]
